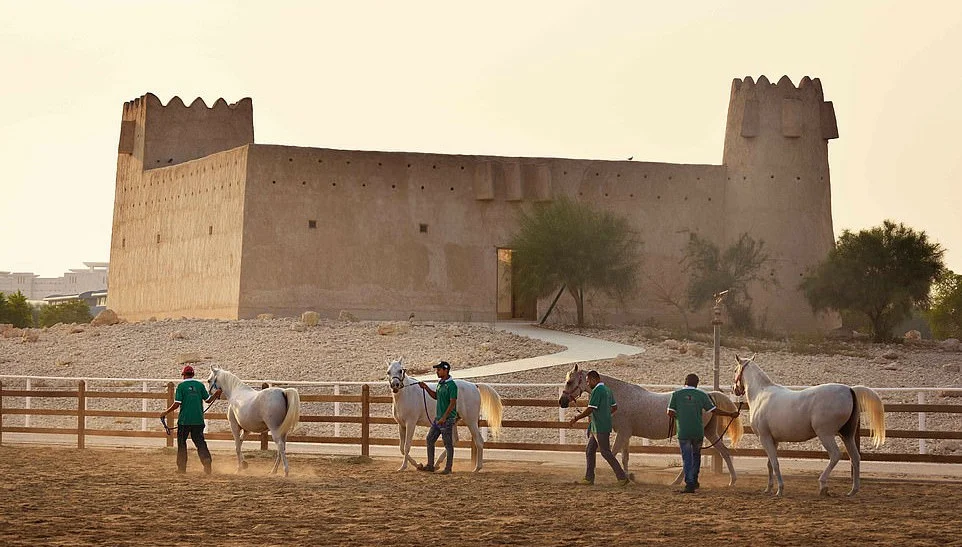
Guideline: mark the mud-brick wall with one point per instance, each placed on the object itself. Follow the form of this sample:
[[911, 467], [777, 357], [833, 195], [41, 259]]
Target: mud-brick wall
[[176, 245]]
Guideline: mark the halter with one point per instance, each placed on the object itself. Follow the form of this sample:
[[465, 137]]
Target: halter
[[581, 379], [738, 384], [401, 379], [213, 387], [424, 394]]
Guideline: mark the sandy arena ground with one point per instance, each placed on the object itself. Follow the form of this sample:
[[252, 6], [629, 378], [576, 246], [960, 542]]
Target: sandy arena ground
[[60, 496]]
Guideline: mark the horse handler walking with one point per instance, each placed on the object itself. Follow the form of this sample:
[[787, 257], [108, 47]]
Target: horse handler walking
[[446, 413], [601, 406], [685, 407], [190, 398]]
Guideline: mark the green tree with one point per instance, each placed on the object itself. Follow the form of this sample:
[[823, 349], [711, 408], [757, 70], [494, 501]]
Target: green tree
[[945, 314], [713, 271], [71, 311], [881, 272], [17, 311], [569, 244], [4, 309]]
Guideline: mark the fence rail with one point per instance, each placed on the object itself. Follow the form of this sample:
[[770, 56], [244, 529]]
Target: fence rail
[[365, 420]]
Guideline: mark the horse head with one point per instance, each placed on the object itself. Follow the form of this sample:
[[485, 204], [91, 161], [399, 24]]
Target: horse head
[[396, 374], [213, 377], [576, 383], [738, 386]]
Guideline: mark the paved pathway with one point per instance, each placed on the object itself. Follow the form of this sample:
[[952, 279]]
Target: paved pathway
[[579, 349]]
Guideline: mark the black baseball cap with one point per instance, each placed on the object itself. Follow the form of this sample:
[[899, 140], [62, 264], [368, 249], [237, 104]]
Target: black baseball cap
[[443, 364]]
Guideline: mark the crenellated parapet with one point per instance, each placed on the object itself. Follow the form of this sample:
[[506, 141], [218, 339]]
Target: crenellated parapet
[[162, 135], [787, 110]]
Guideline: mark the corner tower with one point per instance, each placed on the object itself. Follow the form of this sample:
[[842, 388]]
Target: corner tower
[[778, 186], [178, 208]]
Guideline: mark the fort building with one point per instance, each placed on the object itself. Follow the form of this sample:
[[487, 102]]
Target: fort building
[[209, 224]]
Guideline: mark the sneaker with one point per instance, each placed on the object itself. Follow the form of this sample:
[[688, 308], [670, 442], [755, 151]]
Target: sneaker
[[697, 486], [687, 490], [426, 468], [585, 482], [624, 482], [446, 472]]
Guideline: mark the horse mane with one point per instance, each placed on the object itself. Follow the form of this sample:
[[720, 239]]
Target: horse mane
[[613, 382], [764, 377], [227, 379]]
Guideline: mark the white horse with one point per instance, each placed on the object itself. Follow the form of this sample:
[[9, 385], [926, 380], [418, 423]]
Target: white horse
[[642, 413], [413, 406], [781, 414], [273, 409]]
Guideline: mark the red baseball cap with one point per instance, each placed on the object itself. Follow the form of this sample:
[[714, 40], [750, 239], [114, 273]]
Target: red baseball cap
[[188, 370]]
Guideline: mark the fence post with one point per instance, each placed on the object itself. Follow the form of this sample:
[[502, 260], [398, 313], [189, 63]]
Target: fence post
[[922, 448], [81, 412], [562, 432], [264, 434], [1, 412], [26, 405], [170, 401], [143, 407], [337, 411], [365, 420]]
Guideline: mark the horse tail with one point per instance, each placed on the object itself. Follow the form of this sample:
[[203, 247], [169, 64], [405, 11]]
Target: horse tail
[[871, 403], [293, 411], [491, 407], [732, 427]]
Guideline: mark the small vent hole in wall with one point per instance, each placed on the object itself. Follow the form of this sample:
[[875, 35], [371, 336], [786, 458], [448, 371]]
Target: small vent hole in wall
[[210, 230], [123, 243], [158, 238], [423, 228], [312, 224]]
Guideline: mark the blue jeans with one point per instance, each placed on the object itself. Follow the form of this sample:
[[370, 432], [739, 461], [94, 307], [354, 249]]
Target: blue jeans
[[691, 459], [443, 431]]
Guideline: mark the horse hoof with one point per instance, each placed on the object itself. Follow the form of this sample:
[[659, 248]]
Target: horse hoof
[[852, 493], [823, 492], [243, 465]]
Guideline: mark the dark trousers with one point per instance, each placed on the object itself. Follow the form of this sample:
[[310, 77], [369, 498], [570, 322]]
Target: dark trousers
[[603, 441], [691, 460], [196, 433], [443, 431]]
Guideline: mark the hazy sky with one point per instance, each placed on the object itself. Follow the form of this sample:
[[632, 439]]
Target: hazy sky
[[602, 80]]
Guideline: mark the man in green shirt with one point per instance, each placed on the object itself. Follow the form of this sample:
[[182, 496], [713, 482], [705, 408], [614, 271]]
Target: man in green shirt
[[685, 407], [190, 397], [446, 411], [601, 406]]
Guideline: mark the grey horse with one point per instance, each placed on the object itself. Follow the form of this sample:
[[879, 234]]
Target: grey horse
[[642, 413]]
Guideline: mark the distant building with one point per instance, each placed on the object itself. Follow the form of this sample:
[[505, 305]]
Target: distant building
[[96, 300], [73, 282]]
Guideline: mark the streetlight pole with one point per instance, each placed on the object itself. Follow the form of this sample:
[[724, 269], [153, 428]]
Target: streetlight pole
[[716, 323]]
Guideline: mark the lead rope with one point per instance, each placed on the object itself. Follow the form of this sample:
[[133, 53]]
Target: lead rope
[[730, 422]]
